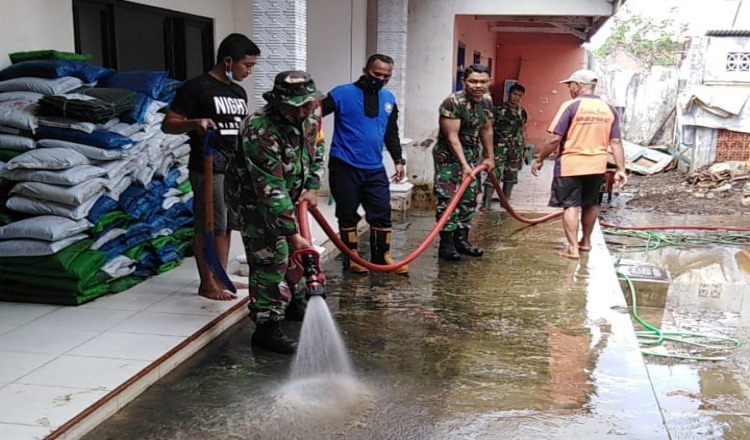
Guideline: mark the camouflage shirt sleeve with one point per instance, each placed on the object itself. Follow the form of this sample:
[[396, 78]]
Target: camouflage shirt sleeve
[[263, 154], [487, 107], [317, 162], [449, 108]]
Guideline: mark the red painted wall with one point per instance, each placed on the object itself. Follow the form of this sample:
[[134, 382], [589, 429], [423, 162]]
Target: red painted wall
[[538, 62], [476, 36]]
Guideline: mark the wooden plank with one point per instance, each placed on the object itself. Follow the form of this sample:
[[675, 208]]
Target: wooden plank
[[532, 30], [570, 20], [571, 30]]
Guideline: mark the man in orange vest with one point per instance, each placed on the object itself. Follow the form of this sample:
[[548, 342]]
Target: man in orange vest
[[581, 132]]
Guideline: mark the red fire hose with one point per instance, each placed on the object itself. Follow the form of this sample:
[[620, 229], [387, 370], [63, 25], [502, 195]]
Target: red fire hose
[[305, 227]]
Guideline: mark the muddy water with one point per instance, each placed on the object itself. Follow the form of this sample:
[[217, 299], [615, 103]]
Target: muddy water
[[709, 294], [520, 344]]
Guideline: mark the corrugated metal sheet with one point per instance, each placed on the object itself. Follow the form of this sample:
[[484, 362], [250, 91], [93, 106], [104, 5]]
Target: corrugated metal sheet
[[728, 33]]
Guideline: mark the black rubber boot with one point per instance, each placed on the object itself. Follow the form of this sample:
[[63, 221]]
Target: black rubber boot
[[349, 237], [461, 238], [269, 336], [508, 189], [380, 249], [295, 311], [447, 249]]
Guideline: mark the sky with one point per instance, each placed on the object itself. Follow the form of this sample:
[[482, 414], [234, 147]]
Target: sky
[[699, 15]]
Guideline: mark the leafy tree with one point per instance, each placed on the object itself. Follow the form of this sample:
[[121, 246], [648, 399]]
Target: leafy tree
[[652, 41]]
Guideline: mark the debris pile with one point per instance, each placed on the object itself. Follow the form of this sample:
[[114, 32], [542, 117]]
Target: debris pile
[[719, 175], [720, 178]]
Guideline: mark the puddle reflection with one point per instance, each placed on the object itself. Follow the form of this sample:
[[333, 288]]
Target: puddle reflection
[[709, 294]]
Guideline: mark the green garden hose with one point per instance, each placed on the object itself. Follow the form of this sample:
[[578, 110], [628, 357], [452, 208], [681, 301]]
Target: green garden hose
[[656, 240], [653, 336]]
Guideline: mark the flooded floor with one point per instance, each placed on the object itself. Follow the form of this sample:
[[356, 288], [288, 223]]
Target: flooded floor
[[519, 344], [709, 294]]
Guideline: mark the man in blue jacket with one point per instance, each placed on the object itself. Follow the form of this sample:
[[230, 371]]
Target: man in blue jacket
[[366, 118]]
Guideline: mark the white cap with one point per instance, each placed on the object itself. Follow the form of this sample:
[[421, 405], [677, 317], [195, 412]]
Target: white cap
[[584, 77]]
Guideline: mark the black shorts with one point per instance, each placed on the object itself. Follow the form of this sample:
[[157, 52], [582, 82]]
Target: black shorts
[[573, 191]]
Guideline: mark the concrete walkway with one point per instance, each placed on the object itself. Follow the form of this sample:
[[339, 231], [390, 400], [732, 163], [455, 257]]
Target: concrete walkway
[[64, 370]]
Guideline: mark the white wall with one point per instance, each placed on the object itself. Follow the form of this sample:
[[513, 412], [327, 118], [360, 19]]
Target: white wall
[[35, 25], [715, 60], [336, 45], [336, 41]]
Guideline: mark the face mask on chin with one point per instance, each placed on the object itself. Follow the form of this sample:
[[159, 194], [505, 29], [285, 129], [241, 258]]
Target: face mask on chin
[[228, 73], [376, 83]]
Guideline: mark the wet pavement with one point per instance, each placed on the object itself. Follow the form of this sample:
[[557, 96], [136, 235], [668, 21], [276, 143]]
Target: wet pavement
[[709, 294], [519, 344]]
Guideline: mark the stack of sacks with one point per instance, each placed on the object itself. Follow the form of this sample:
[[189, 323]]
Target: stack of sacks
[[23, 85], [56, 264], [123, 182]]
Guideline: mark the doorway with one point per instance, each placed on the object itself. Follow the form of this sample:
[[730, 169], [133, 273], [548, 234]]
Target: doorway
[[460, 63]]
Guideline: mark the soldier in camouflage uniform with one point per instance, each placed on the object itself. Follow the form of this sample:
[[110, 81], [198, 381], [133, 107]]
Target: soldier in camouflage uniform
[[510, 119], [465, 137], [279, 164]]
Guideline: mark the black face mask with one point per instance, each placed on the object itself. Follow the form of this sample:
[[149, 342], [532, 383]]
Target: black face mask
[[296, 121], [375, 83]]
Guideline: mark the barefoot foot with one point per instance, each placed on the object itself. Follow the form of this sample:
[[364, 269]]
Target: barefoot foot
[[217, 295], [567, 253]]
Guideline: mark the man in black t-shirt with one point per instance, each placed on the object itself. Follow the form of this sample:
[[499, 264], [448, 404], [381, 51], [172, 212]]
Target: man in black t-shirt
[[213, 100]]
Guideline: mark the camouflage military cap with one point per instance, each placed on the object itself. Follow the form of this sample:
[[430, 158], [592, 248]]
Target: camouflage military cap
[[293, 87]]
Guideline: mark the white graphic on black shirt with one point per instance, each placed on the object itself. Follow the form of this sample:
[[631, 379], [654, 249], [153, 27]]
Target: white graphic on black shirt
[[230, 106]]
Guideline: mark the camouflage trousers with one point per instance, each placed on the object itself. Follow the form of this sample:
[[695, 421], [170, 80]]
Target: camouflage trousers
[[508, 161], [447, 181], [274, 280]]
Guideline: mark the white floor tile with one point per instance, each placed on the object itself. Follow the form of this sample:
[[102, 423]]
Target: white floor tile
[[128, 346], [169, 324], [43, 340], [128, 300], [19, 314], [167, 283], [15, 365], [44, 406], [6, 328], [84, 372], [189, 303], [182, 275], [23, 432], [75, 318]]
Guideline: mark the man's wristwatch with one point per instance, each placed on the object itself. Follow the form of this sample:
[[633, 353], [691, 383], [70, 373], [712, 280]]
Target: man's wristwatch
[[401, 161]]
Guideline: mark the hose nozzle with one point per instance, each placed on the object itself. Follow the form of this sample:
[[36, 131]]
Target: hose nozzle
[[309, 260]]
